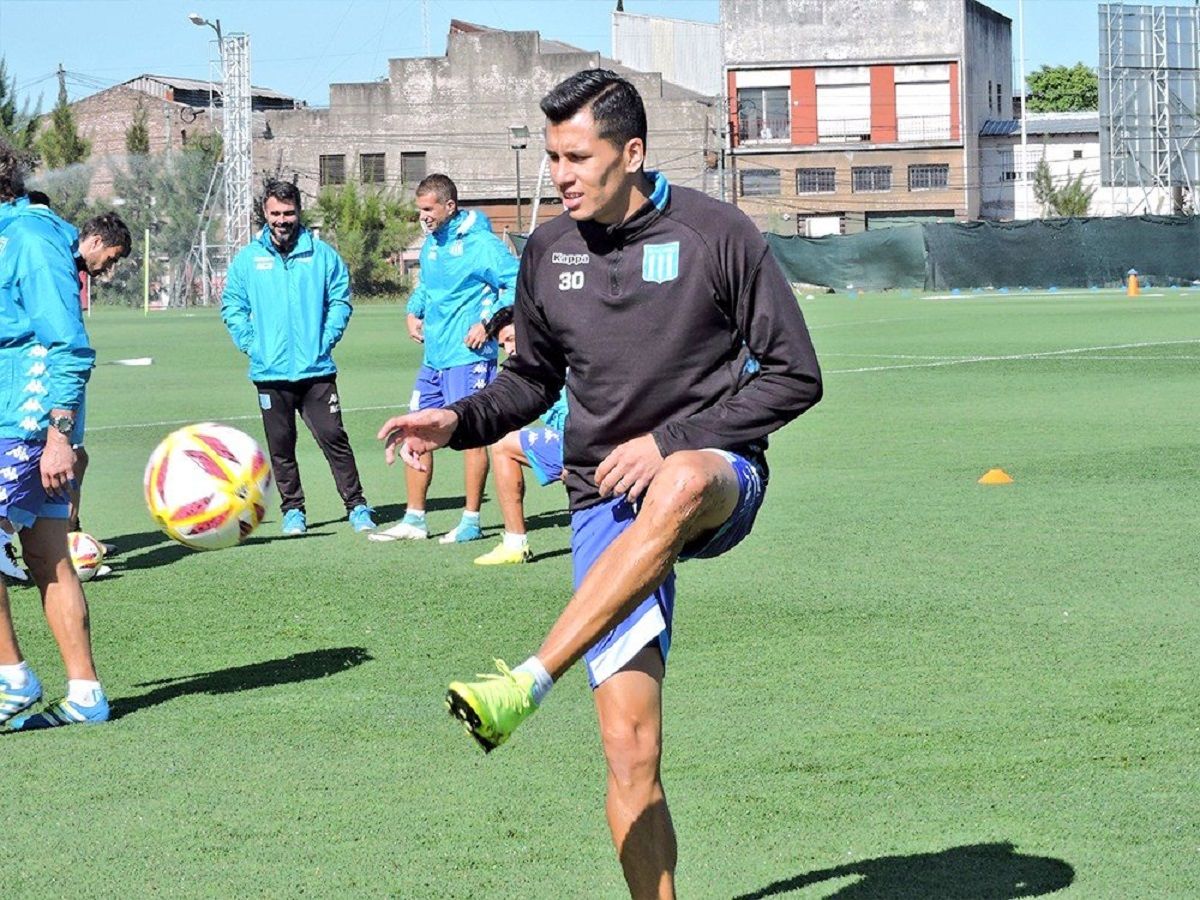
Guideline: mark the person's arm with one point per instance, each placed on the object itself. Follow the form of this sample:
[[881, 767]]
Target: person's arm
[[416, 301], [50, 288], [235, 309], [338, 308], [769, 320], [501, 271]]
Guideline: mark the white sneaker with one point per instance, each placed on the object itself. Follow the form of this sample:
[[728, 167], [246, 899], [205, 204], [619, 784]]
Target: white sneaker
[[405, 531], [8, 563], [102, 571]]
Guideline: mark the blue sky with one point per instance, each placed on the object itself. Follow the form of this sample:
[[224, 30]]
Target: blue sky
[[301, 46]]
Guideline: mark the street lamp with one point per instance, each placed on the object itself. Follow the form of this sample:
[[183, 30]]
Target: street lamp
[[215, 25], [518, 139]]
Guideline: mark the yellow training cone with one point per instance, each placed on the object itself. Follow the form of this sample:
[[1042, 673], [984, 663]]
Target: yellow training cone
[[996, 476]]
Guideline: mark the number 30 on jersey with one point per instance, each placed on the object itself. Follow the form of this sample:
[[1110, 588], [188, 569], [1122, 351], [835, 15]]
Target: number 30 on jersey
[[570, 281]]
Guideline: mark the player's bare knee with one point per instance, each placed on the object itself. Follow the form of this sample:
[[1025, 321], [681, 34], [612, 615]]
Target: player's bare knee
[[681, 490], [633, 751]]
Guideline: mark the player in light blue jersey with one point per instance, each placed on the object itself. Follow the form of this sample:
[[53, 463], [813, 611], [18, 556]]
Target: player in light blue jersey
[[539, 449], [467, 273], [44, 345]]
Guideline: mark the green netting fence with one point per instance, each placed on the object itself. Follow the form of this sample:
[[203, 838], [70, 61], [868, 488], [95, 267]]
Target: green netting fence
[[1038, 253]]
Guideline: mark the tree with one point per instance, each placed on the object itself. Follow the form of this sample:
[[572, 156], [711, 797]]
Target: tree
[[369, 230], [60, 144], [17, 127], [137, 135], [1063, 89], [1072, 199]]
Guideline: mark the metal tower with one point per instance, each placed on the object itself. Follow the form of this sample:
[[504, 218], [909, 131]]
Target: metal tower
[[238, 191]]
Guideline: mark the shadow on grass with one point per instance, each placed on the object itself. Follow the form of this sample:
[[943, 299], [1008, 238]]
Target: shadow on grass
[[558, 519], [976, 872], [286, 670], [128, 543]]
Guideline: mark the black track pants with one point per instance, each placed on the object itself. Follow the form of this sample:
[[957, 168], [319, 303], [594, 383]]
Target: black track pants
[[319, 406]]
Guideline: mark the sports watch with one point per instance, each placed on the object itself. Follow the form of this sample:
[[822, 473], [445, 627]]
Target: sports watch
[[64, 425]]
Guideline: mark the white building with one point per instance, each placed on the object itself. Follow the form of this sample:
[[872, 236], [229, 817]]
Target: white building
[[1070, 144]]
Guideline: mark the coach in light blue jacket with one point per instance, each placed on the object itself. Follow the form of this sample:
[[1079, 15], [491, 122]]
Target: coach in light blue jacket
[[286, 305]]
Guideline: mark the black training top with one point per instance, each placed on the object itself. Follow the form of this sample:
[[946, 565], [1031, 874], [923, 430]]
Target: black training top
[[660, 320]]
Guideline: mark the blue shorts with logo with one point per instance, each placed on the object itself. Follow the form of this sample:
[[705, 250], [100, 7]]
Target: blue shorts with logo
[[436, 388], [23, 500], [595, 528], [544, 450]]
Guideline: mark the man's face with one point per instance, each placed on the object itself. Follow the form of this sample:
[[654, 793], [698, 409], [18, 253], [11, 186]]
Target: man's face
[[434, 213], [283, 219], [98, 258], [593, 176], [508, 340]]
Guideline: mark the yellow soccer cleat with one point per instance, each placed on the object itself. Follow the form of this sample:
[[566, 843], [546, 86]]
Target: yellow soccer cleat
[[504, 556], [492, 709]]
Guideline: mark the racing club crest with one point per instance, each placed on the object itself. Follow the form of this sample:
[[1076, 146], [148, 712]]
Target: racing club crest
[[660, 262]]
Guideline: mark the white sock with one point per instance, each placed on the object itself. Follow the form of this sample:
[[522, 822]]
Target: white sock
[[542, 682], [411, 513], [470, 518], [16, 675], [83, 692], [513, 541]]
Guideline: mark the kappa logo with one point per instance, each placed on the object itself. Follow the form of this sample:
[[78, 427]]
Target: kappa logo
[[9, 473], [479, 369], [19, 452], [3, 243], [32, 405], [570, 259], [479, 384], [35, 386], [334, 404], [456, 249], [29, 423], [3, 494], [264, 263], [38, 368], [660, 262], [37, 351]]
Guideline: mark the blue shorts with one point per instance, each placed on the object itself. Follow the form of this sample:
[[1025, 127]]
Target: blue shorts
[[436, 388], [594, 528], [23, 500], [544, 450]]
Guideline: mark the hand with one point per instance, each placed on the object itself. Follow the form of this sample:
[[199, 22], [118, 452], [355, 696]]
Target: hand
[[477, 336], [58, 465], [417, 433], [630, 468], [416, 329]]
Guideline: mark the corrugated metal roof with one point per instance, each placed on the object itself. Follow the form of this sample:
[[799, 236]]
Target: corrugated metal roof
[[193, 84], [1044, 123]]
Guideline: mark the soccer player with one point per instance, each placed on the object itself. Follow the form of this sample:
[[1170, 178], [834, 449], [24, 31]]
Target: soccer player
[[286, 305], [539, 449], [44, 345], [685, 348], [466, 273]]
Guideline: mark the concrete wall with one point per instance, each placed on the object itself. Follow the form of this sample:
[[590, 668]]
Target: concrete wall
[[987, 67], [686, 53], [457, 109], [811, 31]]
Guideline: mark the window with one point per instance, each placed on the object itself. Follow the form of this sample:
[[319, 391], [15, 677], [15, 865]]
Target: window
[[333, 169], [759, 182], [763, 114], [999, 100], [929, 176], [844, 104], [923, 102], [1076, 154], [864, 179], [1008, 165], [989, 95], [372, 168], [816, 181], [412, 169]]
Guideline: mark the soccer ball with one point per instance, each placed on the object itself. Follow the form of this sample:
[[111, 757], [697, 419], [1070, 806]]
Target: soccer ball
[[87, 554], [207, 486]]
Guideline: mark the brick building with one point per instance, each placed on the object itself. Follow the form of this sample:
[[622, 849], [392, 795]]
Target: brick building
[[845, 115]]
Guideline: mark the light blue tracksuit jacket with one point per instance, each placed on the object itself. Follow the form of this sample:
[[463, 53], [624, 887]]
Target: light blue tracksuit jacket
[[287, 313], [467, 273], [45, 357]]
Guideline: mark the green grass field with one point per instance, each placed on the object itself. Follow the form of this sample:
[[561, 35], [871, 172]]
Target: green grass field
[[903, 684]]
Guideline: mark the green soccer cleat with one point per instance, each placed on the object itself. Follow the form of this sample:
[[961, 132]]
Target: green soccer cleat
[[504, 556], [492, 709]]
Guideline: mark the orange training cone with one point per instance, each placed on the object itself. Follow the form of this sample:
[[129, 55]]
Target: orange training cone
[[996, 476]]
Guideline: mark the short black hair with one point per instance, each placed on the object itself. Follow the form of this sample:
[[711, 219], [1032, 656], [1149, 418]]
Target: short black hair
[[111, 230], [616, 105], [441, 186], [497, 323], [284, 192], [39, 198], [14, 166]]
